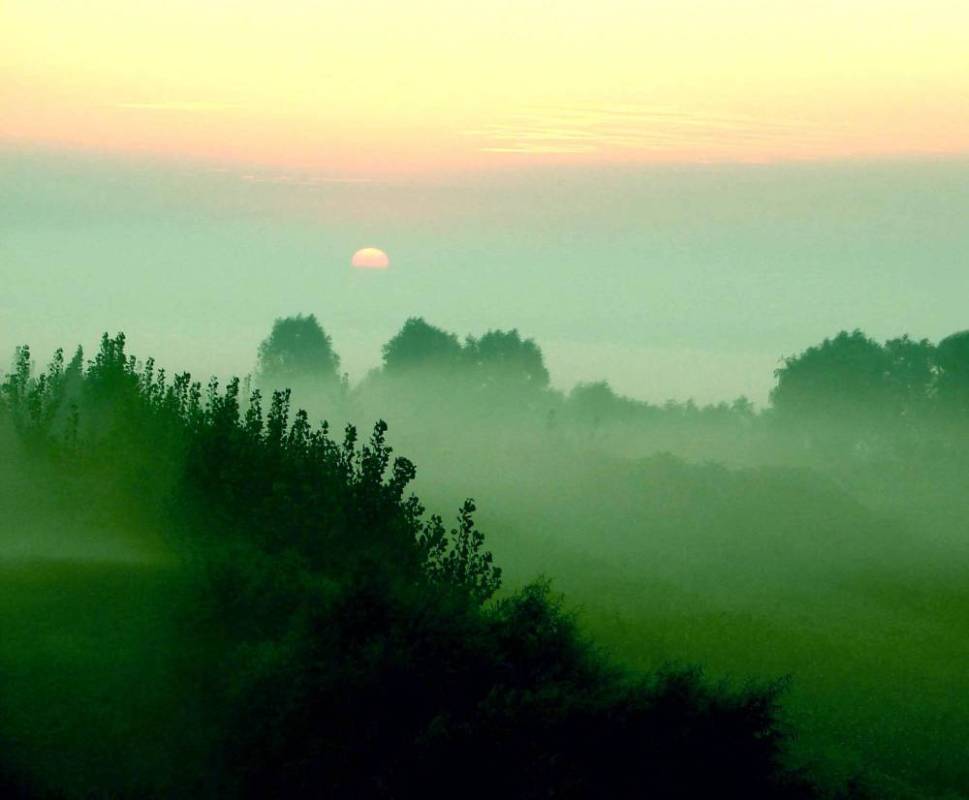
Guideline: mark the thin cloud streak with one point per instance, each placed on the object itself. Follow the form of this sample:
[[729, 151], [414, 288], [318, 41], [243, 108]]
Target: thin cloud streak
[[302, 180], [596, 128], [182, 105]]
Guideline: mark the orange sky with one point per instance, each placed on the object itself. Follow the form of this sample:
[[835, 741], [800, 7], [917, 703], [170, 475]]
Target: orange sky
[[380, 86]]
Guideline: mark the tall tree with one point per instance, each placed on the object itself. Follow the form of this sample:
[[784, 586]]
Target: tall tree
[[504, 359], [842, 379], [297, 352], [953, 365], [420, 344], [912, 373]]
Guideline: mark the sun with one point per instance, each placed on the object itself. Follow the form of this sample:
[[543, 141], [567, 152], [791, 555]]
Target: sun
[[370, 258]]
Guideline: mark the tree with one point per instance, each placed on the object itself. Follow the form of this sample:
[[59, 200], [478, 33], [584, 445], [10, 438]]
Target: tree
[[504, 359], [843, 379], [419, 344], [912, 372], [953, 365], [297, 352], [596, 403]]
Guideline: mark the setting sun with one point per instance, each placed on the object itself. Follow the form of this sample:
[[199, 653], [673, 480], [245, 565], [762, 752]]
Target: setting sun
[[370, 258]]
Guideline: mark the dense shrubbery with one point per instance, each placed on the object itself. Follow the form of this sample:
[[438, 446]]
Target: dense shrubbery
[[342, 643]]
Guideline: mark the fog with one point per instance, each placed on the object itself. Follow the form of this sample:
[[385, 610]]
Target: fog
[[669, 282], [821, 539]]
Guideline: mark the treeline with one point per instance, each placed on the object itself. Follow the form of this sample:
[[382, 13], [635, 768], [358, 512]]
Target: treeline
[[849, 393], [852, 377], [336, 640]]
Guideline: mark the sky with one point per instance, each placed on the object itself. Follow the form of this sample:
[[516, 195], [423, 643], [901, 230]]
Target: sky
[[668, 195], [381, 86]]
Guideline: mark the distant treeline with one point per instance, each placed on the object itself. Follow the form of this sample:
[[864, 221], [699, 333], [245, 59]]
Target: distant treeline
[[901, 376], [338, 641], [849, 391]]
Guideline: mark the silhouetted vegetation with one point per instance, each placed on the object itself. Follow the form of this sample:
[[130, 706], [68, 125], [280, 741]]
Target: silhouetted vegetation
[[241, 603], [421, 345], [289, 621], [298, 352]]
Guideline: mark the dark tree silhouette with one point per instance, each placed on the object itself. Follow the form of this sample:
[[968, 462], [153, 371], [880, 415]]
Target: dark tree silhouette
[[912, 373], [419, 344], [844, 378], [297, 352], [953, 364], [504, 359]]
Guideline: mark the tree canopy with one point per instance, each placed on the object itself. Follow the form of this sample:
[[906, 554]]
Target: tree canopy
[[848, 374], [419, 344], [504, 359], [952, 358], [297, 351]]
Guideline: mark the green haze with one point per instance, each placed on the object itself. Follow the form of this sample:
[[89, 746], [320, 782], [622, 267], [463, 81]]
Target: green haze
[[668, 282]]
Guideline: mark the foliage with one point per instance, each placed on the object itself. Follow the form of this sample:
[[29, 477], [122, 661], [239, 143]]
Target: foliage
[[260, 476], [497, 362], [853, 379], [419, 344], [845, 377], [953, 372], [297, 350], [338, 642], [395, 696], [504, 359], [458, 559]]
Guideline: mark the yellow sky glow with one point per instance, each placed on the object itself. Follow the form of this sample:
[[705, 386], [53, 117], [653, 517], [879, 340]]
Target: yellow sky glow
[[382, 86]]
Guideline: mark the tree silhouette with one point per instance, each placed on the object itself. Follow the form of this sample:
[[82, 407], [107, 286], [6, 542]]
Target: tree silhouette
[[595, 403], [503, 358], [297, 352], [845, 378], [419, 344], [912, 373], [952, 357]]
